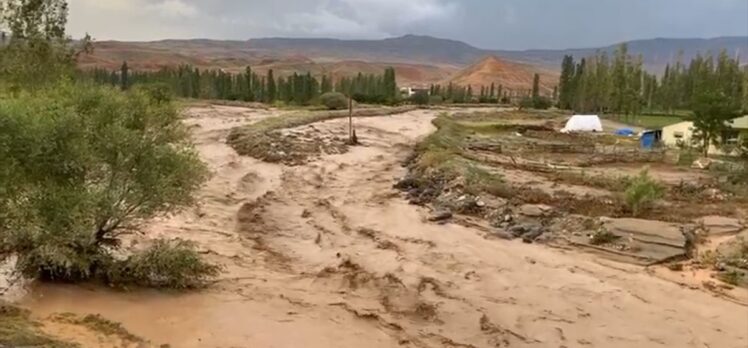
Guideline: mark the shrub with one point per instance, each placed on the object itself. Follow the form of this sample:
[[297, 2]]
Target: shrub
[[83, 165], [541, 103], [334, 101], [420, 98], [642, 192], [165, 264]]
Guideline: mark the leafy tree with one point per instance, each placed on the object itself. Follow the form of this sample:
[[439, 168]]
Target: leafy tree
[[37, 52], [566, 86], [334, 101], [84, 166], [713, 112], [420, 98], [124, 77], [271, 90], [536, 86]]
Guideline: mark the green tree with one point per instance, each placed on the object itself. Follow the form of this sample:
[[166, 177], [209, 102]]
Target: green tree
[[124, 77], [712, 113], [566, 83], [271, 90], [536, 86], [37, 52]]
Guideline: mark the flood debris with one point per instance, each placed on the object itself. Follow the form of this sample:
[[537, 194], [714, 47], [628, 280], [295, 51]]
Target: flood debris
[[597, 192]]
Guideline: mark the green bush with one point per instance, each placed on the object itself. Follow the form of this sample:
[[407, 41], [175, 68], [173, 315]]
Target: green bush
[[642, 193], [420, 98], [334, 101], [540, 103], [80, 166], [165, 264]]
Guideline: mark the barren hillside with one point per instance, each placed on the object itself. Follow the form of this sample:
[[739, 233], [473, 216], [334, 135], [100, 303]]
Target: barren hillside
[[513, 76], [235, 56]]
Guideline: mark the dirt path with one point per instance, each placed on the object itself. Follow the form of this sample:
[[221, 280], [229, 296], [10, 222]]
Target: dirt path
[[329, 255]]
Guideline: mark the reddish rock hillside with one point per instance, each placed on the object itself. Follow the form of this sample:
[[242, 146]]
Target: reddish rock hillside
[[513, 76]]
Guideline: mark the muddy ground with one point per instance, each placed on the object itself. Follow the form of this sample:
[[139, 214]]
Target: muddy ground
[[329, 254]]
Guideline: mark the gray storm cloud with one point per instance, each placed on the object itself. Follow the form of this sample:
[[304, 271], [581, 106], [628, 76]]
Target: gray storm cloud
[[507, 24]]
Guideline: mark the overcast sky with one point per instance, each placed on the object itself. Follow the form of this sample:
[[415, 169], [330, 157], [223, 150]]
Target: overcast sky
[[498, 24]]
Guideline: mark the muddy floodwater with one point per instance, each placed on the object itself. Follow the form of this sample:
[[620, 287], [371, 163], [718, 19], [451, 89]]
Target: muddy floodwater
[[329, 254]]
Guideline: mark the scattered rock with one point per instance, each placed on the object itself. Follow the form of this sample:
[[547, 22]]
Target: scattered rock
[[719, 225], [440, 215], [518, 231], [501, 234], [527, 231], [702, 163], [532, 234], [535, 210], [306, 214]]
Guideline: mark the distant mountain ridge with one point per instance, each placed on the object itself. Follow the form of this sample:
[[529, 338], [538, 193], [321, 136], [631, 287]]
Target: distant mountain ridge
[[656, 52], [417, 59]]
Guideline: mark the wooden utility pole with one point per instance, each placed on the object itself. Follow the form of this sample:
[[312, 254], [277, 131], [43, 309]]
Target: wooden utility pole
[[352, 139], [350, 120]]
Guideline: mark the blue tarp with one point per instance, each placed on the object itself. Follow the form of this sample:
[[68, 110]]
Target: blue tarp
[[627, 132], [650, 139]]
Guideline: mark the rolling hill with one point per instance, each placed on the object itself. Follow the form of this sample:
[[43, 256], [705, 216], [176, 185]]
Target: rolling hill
[[511, 75], [417, 59]]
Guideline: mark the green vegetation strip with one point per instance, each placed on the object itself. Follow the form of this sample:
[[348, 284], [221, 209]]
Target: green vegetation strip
[[18, 330]]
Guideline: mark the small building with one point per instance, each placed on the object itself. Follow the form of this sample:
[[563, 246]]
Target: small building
[[679, 134], [407, 92], [739, 130], [682, 134]]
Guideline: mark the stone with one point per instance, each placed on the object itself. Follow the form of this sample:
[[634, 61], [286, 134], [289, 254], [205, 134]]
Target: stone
[[501, 234], [518, 230], [720, 225], [440, 215], [532, 234], [702, 163], [535, 210]]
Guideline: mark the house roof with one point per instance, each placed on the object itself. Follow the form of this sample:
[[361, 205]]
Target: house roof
[[740, 122], [678, 125]]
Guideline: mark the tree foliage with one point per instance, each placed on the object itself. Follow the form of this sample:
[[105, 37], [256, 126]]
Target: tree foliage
[[334, 101], [83, 166], [37, 51], [296, 89], [621, 86]]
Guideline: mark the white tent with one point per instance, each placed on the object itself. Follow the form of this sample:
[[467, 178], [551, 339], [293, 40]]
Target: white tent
[[583, 123]]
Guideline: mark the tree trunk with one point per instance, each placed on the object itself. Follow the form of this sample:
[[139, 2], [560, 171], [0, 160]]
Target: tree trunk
[[707, 140]]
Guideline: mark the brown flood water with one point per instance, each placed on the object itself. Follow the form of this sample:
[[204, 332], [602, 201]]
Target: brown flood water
[[328, 254]]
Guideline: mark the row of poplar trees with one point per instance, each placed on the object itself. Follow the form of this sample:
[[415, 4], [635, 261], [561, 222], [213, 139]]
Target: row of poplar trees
[[300, 89], [620, 85]]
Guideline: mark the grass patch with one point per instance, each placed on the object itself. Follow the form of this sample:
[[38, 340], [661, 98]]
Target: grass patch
[[18, 330], [97, 323], [652, 121]]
